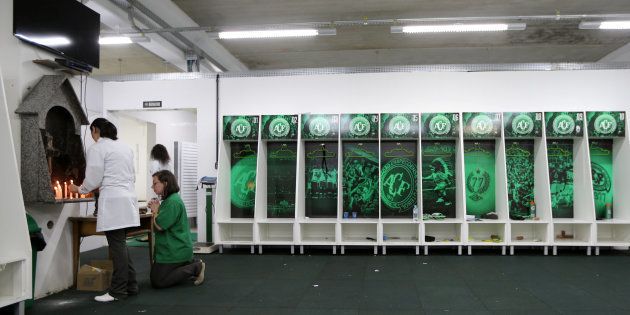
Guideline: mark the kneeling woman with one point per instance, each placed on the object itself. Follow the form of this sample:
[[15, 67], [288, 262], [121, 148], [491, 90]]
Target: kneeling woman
[[173, 245]]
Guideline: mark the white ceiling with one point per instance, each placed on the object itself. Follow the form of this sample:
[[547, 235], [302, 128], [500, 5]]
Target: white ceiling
[[357, 45]]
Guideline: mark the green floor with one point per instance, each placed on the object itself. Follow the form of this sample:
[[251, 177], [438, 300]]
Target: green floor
[[360, 283]]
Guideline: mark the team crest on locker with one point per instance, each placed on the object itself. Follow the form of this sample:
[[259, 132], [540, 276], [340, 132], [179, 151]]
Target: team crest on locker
[[279, 127], [522, 124], [564, 124], [605, 124], [440, 125], [359, 126], [241, 128]]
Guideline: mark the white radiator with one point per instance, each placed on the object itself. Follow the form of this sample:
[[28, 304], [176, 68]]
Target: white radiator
[[186, 159]]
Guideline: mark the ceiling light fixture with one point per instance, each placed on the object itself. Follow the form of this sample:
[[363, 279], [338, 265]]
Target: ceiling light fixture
[[274, 33], [605, 25], [121, 40], [458, 28]]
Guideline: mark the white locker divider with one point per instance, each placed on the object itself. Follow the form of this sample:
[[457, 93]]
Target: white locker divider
[[544, 232]]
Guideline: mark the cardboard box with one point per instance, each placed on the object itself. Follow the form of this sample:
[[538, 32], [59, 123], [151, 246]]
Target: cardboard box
[[92, 279]]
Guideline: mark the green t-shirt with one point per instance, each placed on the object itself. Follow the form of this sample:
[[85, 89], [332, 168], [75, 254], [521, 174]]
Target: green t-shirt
[[173, 244]]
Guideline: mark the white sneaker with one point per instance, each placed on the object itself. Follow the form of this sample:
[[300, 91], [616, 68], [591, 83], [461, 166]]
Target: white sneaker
[[105, 298], [200, 277]]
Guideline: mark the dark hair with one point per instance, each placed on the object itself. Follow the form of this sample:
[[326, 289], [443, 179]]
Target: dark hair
[[105, 127], [167, 178], [160, 153]]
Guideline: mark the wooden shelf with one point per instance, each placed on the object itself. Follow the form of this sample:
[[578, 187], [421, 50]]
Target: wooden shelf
[[57, 67]]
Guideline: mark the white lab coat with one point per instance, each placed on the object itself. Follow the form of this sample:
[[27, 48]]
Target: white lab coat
[[110, 167], [155, 167]]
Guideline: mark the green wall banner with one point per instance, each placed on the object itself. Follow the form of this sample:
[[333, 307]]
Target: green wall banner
[[281, 176], [439, 177], [440, 125], [242, 178], [360, 179], [564, 124], [560, 156], [606, 124], [320, 126], [482, 125], [602, 173], [399, 178], [479, 165], [279, 127], [519, 162], [240, 128], [400, 126], [522, 125], [321, 171], [359, 126]]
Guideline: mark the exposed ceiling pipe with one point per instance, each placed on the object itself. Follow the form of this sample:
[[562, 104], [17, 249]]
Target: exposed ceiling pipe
[[165, 46], [171, 15], [192, 46]]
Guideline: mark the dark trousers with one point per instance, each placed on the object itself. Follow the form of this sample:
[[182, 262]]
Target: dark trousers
[[168, 275], [124, 276]]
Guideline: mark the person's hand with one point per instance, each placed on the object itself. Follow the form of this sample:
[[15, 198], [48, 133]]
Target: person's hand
[[154, 205], [73, 188]]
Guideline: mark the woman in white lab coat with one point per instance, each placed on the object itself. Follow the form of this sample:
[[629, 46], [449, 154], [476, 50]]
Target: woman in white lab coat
[[110, 168]]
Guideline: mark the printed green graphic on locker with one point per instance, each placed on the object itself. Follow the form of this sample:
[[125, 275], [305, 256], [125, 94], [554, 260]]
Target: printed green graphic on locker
[[243, 179], [240, 127], [320, 126], [606, 124], [440, 125], [520, 176], [400, 126], [399, 178], [564, 124], [602, 174], [479, 162], [560, 156], [439, 177], [281, 171], [359, 126], [360, 178], [280, 127], [321, 173], [482, 125], [522, 125]]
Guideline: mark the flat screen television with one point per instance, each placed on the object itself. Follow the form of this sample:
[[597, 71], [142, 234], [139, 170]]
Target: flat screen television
[[65, 27]]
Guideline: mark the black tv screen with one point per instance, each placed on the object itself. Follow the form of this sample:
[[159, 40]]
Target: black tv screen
[[65, 27]]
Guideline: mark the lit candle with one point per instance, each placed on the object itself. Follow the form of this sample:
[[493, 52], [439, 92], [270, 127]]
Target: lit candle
[[65, 190], [56, 195]]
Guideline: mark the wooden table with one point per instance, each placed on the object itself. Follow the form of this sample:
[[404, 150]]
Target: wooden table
[[86, 226]]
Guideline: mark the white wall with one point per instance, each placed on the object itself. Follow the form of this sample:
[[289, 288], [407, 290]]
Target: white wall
[[379, 92], [20, 74], [428, 92]]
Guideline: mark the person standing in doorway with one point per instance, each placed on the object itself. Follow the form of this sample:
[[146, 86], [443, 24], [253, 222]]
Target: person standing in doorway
[[110, 168], [160, 160], [173, 243]]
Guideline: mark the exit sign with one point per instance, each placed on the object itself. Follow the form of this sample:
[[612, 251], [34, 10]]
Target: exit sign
[[152, 104]]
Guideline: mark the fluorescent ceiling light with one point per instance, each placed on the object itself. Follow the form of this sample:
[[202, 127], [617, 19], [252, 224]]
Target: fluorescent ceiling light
[[275, 33], [458, 28], [50, 41], [614, 25], [114, 40], [118, 40], [605, 25]]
